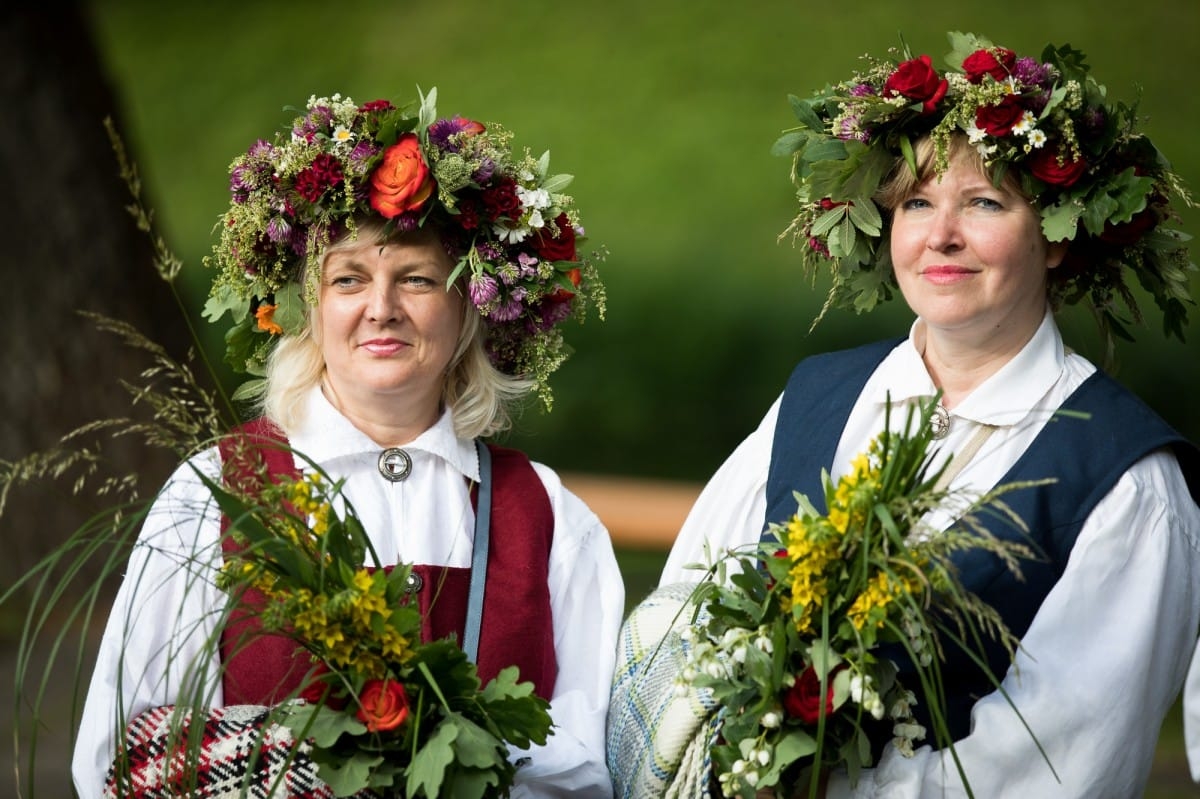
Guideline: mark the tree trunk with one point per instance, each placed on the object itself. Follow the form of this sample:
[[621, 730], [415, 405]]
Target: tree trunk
[[69, 245]]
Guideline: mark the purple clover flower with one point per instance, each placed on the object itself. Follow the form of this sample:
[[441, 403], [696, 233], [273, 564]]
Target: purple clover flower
[[1094, 119], [488, 251], [505, 311], [863, 90], [1031, 72], [278, 230], [482, 290], [318, 118], [553, 313], [239, 186], [261, 149], [363, 152], [483, 173]]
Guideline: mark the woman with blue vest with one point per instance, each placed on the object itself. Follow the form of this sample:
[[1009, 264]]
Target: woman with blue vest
[[990, 195], [396, 282]]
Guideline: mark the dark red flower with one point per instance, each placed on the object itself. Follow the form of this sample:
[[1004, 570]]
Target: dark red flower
[[998, 120], [1129, 232], [803, 699], [327, 169], [1044, 165], [375, 105], [557, 248], [917, 80], [501, 199], [995, 61]]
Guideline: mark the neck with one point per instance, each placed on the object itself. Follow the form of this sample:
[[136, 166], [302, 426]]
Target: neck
[[389, 421], [959, 365]]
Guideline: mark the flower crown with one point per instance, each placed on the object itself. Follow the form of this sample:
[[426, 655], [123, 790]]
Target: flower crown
[[1094, 179], [503, 216]]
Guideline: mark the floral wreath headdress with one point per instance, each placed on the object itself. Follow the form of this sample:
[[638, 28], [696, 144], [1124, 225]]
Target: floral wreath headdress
[[1095, 180], [503, 216]]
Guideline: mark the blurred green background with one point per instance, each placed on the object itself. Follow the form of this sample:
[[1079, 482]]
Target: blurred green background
[[665, 112]]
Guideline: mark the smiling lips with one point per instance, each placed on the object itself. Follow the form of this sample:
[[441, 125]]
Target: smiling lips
[[943, 275], [383, 346]]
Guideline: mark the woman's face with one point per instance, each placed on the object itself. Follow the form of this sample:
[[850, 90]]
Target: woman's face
[[386, 325], [970, 258]]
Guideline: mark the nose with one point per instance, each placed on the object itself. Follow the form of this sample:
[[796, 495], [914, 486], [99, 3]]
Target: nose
[[945, 233], [382, 303]]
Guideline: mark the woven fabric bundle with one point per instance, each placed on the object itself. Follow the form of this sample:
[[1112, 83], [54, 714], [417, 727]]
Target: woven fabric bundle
[[240, 752], [659, 729]]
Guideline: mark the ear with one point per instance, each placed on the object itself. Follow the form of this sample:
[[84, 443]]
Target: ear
[[1056, 251]]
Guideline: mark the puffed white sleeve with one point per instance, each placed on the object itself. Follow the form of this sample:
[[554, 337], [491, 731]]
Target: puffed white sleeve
[[1098, 669], [1191, 715], [159, 644], [587, 600], [730, 509]]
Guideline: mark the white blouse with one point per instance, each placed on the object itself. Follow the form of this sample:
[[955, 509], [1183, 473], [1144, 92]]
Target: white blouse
[[168, 607], [1107, 652]]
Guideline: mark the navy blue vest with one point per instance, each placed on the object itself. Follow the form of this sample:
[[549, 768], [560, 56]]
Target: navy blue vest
[[1086, 455]]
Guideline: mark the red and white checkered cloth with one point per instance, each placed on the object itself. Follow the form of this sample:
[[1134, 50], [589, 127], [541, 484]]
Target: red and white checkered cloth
[[242, 753]]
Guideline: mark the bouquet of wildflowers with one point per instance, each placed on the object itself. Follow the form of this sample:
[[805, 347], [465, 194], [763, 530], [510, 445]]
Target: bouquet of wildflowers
[[382, 710], [789, 635]]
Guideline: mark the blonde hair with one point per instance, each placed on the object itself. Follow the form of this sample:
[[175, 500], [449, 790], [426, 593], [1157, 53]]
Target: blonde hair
[[902, 182], [481, 398]]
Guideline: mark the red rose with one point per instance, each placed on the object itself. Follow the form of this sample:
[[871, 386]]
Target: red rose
[[402, 182], [1044, 165], [375, 105], [995, 61], [560, 247], [998, 120], [803, 699], [917, 80], [1129, 232], [383, 705], [318, 689]]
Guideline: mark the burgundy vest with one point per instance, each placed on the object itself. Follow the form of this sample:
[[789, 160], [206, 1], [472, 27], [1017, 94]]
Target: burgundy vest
[[516, 628]]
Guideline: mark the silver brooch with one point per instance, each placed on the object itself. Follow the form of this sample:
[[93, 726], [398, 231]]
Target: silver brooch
[[939, 422], [394, 464]]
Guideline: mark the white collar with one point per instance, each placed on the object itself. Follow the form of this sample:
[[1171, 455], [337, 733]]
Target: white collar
[[324, 435], [1003, 399]]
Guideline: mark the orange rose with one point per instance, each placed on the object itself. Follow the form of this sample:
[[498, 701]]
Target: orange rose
[[383, 705], [402, 182]]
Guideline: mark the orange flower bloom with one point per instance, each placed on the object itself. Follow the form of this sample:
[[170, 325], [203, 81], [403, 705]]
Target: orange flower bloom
[[383, 705], [265, 314], [402, 182]]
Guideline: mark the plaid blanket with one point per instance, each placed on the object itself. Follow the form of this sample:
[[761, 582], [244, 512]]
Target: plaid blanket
[[239, 752], [659, 733]]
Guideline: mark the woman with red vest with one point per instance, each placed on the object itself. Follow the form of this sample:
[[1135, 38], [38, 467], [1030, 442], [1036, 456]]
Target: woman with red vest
[[990, 195], [396, 282]]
